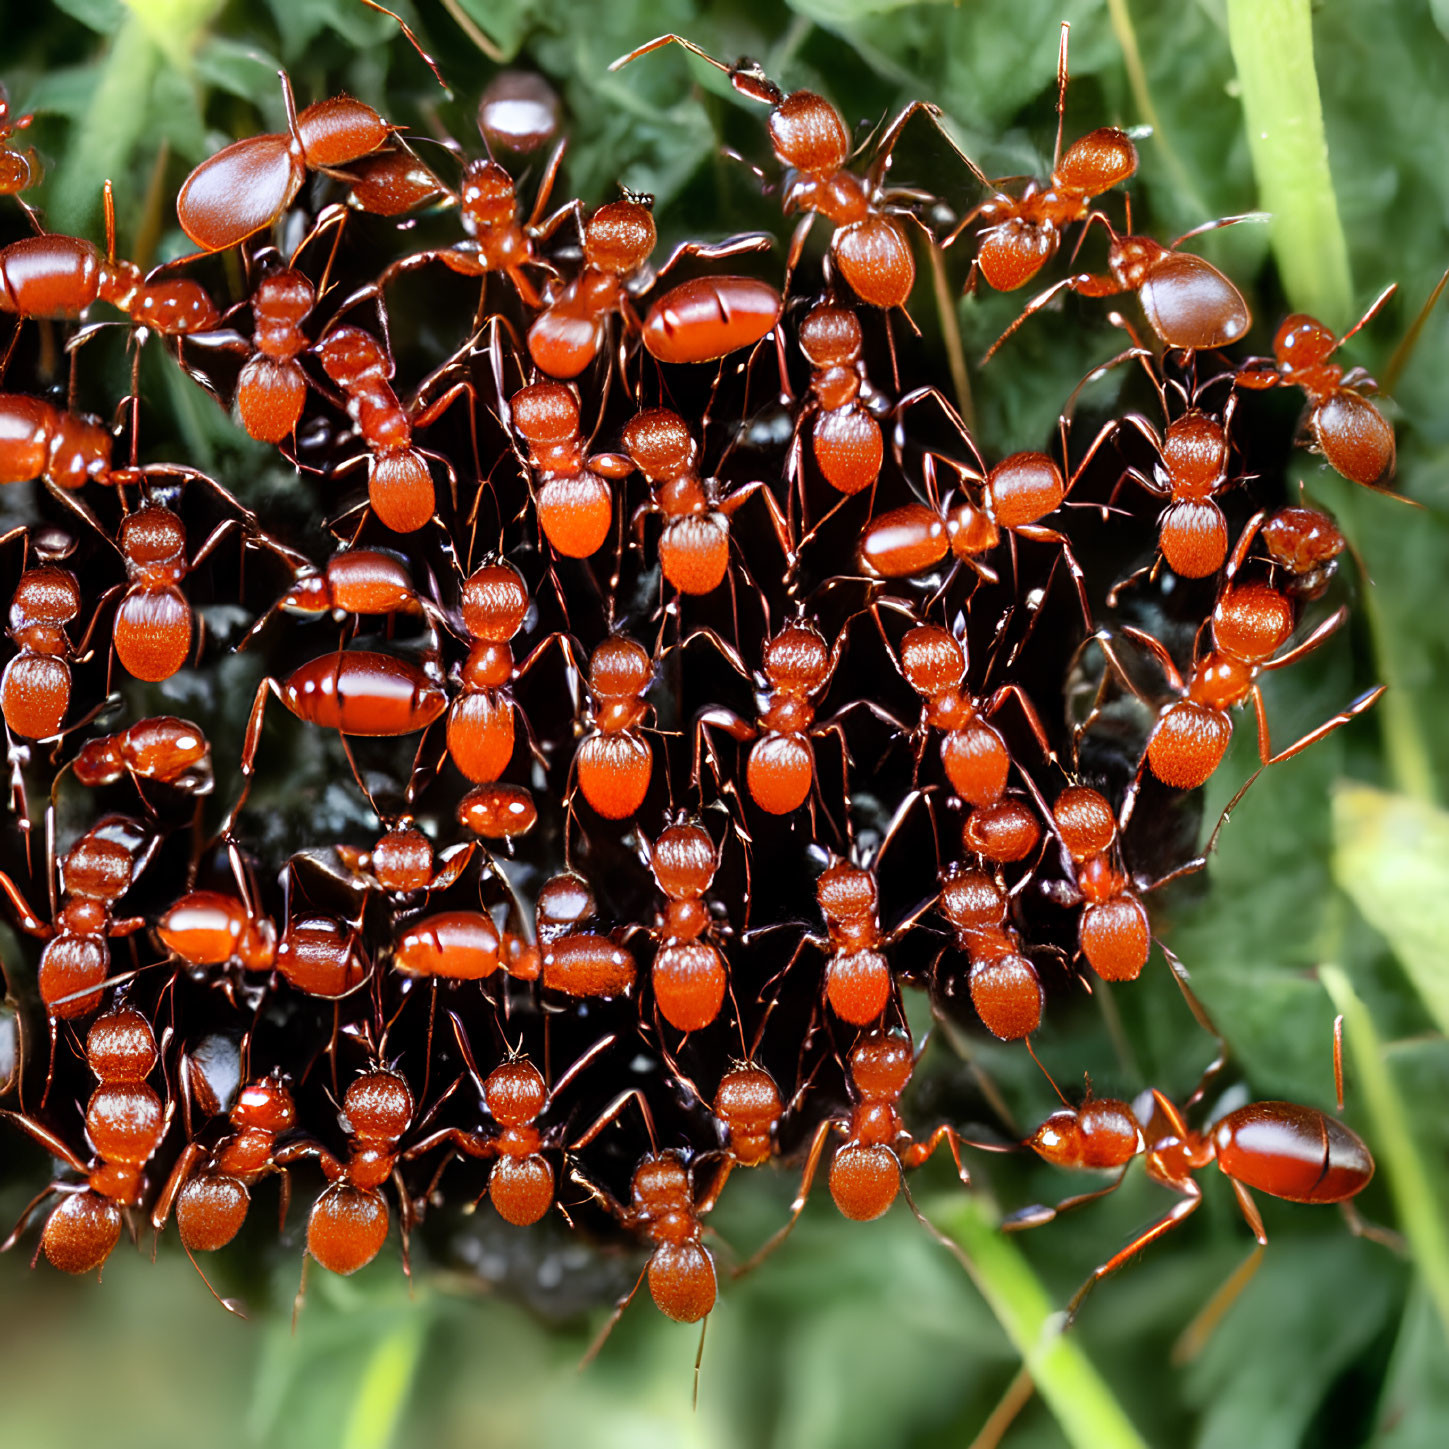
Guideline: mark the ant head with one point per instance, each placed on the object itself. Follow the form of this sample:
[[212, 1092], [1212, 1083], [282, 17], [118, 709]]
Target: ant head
[[1131, 258], [1097, 162], [120, 1046], [1195, 451], [45, 597], [564, 901], [351, 354], [620, 669], [515, 1093], [377, 1107], [881, 1064], [661, 1181], [748, 1100], [845, 891], [808, 134], [797, 659], [309, 594], [1302, 539], [932, 660], [619, 236], [1024, 488], [286, 297], [487, 196], [266, 1105], [684, 861], [99, 762], [1085, 822], [660, 444], [495, 603], [152, 535], [80, 451], [1251, 621], [1059, 1139], [830, 337], [402, 859], [1302, 341], [971, 899], [546, 412]]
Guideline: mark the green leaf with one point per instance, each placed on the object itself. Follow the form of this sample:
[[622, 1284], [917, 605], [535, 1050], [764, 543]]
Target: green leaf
[[1391, 857]]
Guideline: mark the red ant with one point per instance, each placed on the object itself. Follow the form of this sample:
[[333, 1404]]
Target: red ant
[[617, 240], [496, 242], [613, 762], [516, 1096], [211, 928], [1016, 495], [567, 956], [689, 975], [246, 186], [352, 691], [399, 484], [1114, 935], [272, 389], [797, 667], [1346, 427], [572, 497], [125, 1124], [498, 811], [694, 548], [449, 945], [1005, 988], [94, 874], [845, 437], [164, 748], [39, 441], [54, 276], [210, 1188], [1188, 303], [809, 137], [354, 581], [1303, 542], [322, 956], [1288, 1151], [1250, 623], [665, 1207], [480, 720], [1019, 235], [865, 1171], [348, 1223], [402, 862], [35, 688], [19, 170]]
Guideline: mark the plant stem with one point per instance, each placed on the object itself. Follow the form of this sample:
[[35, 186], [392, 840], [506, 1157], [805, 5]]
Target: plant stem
[[1408, 1179], [386, 1383], [1272, 43], [1084, 1406]]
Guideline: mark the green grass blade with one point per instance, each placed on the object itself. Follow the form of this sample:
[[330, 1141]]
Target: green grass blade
[[1408, 1179], [1084, 1406], [1272, 43]]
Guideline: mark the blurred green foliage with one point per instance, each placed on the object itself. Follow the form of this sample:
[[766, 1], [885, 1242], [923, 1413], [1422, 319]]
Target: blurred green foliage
[[871, 1335]]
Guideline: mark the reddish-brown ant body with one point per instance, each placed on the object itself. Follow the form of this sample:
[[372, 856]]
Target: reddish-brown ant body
[[40, 441], [402, 862], [1346, 427], [845, 436], [1005, 988], [1018, 235], [1305, 543], [399, 484], [35, 688], [694, 548], [811, 140], [689, 974], [613, 762], [1288, 1151], [210, 928], [210, 1188], [94, 875], [166, 749], [19, 170], [572, 496], [707, 318], [125, 1123], [618, 239], [272, 389], [1250, 624], [865, 1170], [797, 667], [246, 186]]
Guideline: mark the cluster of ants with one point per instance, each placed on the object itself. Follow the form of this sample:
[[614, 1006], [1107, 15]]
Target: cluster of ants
[[672, 683]]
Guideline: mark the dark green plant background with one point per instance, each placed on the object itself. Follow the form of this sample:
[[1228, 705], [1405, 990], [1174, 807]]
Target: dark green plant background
[[872, 1335]]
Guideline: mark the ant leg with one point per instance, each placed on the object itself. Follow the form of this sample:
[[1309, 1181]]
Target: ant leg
[[602, 1336], [807, 1178], [919, 1152], [250, 744], [1362, 703], [47, 1139], [1039, 1214], [613, 1111], [1164, 1225]]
